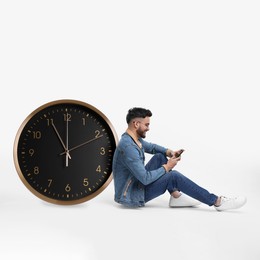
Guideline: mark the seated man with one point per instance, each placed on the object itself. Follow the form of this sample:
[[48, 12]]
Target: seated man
[[136, 183]]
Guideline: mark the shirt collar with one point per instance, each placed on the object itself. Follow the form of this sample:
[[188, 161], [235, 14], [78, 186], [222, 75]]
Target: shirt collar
[[136, 140]]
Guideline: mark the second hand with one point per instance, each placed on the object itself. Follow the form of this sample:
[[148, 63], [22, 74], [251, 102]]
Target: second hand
[[67, 142]]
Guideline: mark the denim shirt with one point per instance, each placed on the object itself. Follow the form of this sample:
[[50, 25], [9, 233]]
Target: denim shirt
[[129, 173]]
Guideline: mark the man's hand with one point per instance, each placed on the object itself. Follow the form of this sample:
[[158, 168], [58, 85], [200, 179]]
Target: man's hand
[[171, 163], [170, 153]]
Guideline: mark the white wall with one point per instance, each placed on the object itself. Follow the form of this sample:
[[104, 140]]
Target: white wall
[[194, 64]]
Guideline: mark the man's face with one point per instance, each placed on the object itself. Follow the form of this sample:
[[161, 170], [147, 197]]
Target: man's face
[[143, 126]]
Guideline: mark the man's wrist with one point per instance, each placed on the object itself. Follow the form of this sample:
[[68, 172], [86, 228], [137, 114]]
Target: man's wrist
[[165, 168]]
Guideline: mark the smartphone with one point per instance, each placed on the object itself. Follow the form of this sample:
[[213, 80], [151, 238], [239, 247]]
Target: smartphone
[[179, 153]]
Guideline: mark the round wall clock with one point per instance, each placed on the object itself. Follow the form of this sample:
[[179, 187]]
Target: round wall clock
[[63, 152]]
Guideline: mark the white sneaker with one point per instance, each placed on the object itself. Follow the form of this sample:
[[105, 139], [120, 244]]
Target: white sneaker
[[231, 203], [183, 201]]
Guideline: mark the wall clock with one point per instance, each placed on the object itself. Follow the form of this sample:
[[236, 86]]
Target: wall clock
[[63, 152]]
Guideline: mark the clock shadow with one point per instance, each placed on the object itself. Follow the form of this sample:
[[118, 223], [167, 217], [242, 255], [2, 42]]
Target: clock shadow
[[53, 205]]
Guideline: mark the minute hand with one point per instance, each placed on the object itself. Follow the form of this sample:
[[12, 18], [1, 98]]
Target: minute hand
[[87, 142], [66, 150]]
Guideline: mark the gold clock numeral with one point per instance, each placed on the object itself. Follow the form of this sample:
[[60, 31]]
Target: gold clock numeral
[[67, 117], [31, 152], [98, 168], [37, 134], [97, 132], [50, 182], [102, 151], [36, 170], [49, 121], [68, 188], [85, 182]]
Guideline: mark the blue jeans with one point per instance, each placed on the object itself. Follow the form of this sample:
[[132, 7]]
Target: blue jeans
[[172, 181]]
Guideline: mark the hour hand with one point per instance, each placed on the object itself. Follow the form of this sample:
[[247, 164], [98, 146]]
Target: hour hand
[[84, 143]]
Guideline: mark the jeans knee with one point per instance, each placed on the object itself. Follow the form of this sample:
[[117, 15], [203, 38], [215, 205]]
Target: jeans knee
[[160, 158], [175, 174]]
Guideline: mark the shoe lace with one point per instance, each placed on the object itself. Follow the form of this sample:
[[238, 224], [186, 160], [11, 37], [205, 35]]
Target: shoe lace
[[226, 199], [223, 198]]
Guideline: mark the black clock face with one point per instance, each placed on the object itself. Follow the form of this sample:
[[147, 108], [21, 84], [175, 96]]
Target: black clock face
[[63, 152]]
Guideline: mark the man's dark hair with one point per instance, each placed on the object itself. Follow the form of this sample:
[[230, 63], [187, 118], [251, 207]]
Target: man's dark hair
[[137, 112]]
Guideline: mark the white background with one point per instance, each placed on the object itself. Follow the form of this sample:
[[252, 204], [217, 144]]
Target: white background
[[194, 64]]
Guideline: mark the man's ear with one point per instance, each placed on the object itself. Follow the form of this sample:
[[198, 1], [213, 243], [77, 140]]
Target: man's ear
[[136, 124]]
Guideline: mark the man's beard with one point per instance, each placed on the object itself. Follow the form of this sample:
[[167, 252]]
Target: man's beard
[[141, 133]]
